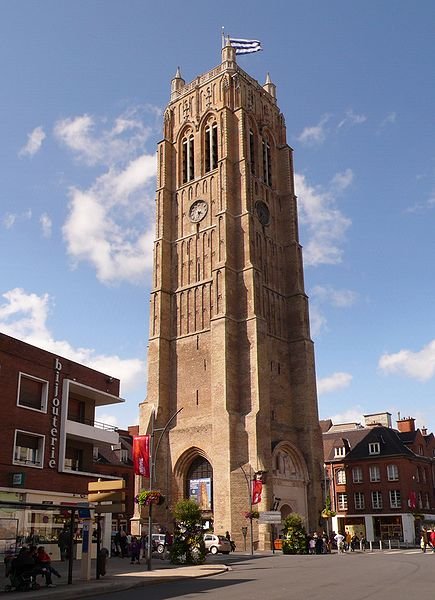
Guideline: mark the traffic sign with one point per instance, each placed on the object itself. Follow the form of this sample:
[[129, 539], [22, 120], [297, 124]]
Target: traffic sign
[[272, 517], [109, 495]]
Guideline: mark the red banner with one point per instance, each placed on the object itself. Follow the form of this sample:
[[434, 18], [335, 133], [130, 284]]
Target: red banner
[[141, 455], [257, 487]]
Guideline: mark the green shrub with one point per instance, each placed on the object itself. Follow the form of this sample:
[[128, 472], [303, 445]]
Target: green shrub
[[295, 536], [188, 546]]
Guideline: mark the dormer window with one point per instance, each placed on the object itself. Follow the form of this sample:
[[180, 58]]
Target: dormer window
[[341, 477], [374, 448], [339, 451]]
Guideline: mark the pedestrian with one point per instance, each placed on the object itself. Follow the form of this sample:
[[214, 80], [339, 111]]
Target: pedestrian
[[134, 549], [348, 537], [423, 539], [432, 538], [63, 541], [311, 545], [232, 543], [123, 542], [44, 560], [101, 560], [339, 540]]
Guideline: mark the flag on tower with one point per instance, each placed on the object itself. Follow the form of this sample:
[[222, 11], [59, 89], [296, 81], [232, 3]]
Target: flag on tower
[[242, 46]]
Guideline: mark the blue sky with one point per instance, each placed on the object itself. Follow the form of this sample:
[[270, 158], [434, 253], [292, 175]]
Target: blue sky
[[84, 85]]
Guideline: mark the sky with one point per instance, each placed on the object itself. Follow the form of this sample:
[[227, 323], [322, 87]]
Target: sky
[[83, 88]]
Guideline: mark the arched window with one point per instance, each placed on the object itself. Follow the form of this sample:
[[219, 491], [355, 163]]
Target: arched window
[[211, 148], [267, 163], [252, 151], [188, 158], [200, 483]]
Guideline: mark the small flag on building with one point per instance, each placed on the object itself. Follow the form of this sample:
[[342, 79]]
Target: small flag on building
[[141, 455], [257, 488], [245, 46]]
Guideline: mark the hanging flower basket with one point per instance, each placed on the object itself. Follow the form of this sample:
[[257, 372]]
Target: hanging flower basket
[[327, 513], [252, 514], [147, 497]]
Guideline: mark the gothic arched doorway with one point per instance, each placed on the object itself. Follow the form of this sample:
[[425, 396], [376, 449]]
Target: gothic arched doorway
[[199, 483]]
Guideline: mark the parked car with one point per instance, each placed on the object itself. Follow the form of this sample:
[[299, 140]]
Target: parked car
[[159, 542], [216, 543]]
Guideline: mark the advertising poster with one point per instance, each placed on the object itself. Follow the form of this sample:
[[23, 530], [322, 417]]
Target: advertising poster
[[200, 492]]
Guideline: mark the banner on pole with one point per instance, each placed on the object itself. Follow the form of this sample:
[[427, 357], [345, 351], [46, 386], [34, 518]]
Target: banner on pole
[[141, 455]]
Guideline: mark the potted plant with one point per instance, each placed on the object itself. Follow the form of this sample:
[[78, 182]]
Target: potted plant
[[327, 512], [252, 514], [147, 497]]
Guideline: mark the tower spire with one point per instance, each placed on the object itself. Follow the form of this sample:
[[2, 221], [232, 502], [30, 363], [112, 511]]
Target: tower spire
[[177, 83]]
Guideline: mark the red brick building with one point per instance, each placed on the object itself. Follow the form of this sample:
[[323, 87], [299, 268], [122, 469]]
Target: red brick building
[[380, 480], [50, 438]]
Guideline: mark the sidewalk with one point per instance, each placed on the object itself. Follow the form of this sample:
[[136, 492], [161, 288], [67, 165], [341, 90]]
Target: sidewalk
[[121, 575]]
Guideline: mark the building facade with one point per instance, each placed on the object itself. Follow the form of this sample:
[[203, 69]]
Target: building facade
[[381, 480], [229, 343], [50, 439]]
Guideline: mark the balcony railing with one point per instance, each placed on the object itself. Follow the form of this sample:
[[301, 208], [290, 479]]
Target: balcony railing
[[92, 423]]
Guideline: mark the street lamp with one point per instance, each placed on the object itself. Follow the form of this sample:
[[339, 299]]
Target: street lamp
[[248, 483], [153, 459]]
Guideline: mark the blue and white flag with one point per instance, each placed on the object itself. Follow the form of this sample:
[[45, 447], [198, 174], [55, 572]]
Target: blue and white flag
[[245, 46]]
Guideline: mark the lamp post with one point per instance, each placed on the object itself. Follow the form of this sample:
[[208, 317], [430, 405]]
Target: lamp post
[[153, 459], [249, 484]]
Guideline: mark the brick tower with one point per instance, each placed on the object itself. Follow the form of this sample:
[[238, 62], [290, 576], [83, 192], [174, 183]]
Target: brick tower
[[229, 328]]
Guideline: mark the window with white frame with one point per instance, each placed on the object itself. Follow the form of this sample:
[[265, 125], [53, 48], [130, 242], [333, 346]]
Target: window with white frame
[[339, 451], [395, 500], [357, 475], [28, 449], [376, 499], [374, 448], [375, 473], [342, 501], [341, 476], [359, 500], [393, 472], [32, 392]]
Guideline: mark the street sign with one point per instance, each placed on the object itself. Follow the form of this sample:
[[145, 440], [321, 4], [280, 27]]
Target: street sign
[[110, 508], [106, 486], [109, 495], [272, 517]]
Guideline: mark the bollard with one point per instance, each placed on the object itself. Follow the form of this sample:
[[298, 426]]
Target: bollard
[[360, 545], [389, 544], [371, 546], [380, 544]]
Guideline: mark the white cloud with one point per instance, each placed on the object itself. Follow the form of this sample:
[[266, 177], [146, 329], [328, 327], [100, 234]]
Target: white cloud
[[315, 134], [110, 225], [93, 143], [9, 220], [46, 225], [351, 119], [352, 415], [324, 222], [317, 320], [416, 365], [341, 181], [34, 142], [24, 316], [390, 119], [338, 298], [336, 381]]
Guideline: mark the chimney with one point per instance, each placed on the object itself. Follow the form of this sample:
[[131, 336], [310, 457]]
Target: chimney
[[423, 431], [406, 425]]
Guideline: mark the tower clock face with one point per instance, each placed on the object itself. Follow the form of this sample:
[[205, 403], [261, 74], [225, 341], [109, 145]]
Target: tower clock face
[[262, 211], [198, 210]]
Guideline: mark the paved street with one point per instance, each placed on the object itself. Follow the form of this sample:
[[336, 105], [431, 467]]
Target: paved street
[[357, 576]]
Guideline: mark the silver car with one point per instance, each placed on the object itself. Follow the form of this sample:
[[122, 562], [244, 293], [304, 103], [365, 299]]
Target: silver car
[[216, 543]]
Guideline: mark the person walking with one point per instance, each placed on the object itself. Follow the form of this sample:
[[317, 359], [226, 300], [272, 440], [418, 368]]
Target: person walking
[[134, 548], [63, 541], [339, 540]]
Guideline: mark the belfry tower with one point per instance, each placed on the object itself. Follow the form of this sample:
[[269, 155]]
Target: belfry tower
[[229, 329]]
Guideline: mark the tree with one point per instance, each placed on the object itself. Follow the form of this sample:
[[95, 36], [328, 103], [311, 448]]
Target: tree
[[188, 546], [295, 536]]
